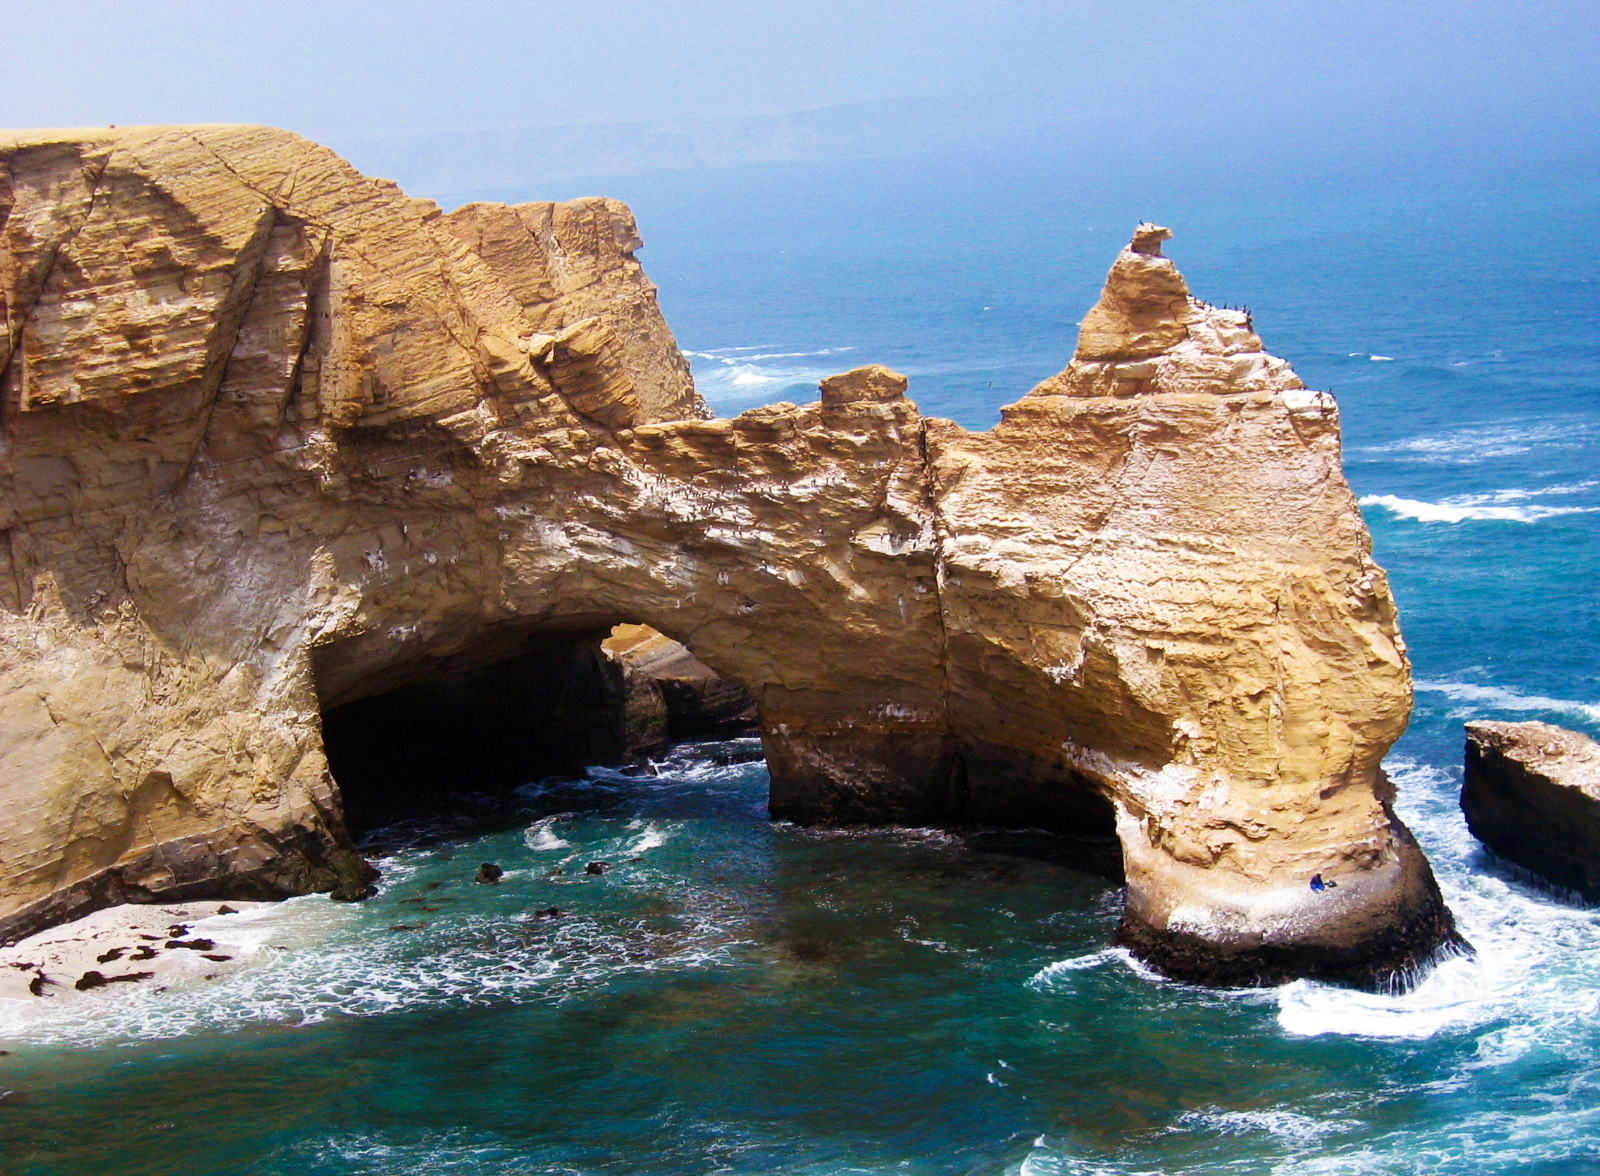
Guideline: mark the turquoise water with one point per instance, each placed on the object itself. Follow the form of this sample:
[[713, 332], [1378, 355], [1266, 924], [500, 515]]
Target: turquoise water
[[738, 996]]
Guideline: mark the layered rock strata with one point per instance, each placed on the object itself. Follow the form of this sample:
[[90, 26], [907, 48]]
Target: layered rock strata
[[1531, 793], [669, 694], [280, 440]]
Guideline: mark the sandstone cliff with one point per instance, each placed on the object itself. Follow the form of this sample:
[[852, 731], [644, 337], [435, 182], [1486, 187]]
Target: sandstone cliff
[[279, 440]]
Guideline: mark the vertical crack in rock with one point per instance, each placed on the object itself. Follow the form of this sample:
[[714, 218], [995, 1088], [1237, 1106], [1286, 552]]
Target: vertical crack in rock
[[960, 802], [244, 278]]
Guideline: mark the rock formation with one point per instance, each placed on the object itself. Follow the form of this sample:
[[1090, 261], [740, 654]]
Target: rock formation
[[1532, 794], [280, 441], [671, 694]]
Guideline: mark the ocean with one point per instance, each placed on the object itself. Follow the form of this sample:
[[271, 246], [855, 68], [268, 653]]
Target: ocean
[[746, 997]]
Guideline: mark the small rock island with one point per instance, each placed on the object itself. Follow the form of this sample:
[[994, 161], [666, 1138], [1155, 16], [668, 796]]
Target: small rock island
[[281, 441], [1531, 793]]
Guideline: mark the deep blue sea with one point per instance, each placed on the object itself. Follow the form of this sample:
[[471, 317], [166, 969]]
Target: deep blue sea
[[742, 997]]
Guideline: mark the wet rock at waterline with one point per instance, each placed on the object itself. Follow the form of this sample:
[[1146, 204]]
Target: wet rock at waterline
[[302, 471], [1531, 793]]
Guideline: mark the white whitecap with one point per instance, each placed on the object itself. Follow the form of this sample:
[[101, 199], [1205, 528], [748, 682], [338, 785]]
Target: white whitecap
[[1478, 443], [1048, 974], [541, 835], [1381, 358], [651, 837], [1449, 997], [1292, 1126], [1532, 982], [1465, 509], [1502, 699]]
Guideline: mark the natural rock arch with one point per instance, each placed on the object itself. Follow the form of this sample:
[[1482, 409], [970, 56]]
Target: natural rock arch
[[276, 434]]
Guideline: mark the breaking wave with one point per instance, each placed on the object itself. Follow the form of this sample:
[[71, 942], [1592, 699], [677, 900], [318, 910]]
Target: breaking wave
[[541, 834], [736, 378], [1511, 505], [1510, 700], [1533, 978]]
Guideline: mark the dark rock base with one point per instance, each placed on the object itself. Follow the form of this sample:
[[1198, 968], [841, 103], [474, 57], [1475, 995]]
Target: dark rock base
[[1390, 962]]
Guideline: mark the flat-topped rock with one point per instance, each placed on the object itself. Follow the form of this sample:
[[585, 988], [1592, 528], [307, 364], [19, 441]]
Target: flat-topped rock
[[1532, 794]]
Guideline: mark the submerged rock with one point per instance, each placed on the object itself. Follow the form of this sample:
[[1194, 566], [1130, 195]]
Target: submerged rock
[[488, 874], [1531, 793], [300, 470]]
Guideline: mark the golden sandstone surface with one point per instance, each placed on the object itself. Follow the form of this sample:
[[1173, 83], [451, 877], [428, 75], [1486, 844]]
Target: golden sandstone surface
[[278, 438]]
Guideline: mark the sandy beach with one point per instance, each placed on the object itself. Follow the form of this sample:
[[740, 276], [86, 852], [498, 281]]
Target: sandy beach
[[131, 944]]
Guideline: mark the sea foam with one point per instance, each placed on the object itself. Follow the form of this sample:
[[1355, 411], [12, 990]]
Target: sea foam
[[1481, 443], [1503, 699], [732, 378], [1496, 505], [1535, 969], [541, 835]]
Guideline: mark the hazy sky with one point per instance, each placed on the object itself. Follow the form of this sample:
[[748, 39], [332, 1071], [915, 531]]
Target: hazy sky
[[1506, 73]]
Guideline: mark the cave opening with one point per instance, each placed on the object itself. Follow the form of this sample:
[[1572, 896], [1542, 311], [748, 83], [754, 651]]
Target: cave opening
[[510, 709]]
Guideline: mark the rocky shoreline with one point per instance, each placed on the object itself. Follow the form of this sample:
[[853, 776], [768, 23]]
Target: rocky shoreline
[[143, 944]]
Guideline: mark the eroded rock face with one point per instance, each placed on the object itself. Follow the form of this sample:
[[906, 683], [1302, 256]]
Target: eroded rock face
[[669, 694], [279, 439], [1532, 794]]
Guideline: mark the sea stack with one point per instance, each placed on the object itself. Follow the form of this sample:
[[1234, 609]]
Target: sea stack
[[1531, 793], [280, 440]]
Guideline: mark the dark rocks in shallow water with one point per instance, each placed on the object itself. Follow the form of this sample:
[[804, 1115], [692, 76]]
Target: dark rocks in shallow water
[[547, 913], [1531, 793], [349, 877], [218, 957], [192, 944], [596, 868], [95, 980], [812, 951], [489, 874]]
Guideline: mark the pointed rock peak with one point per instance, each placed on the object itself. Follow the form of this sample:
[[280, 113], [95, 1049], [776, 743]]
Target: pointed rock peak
[[1144, 309]]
